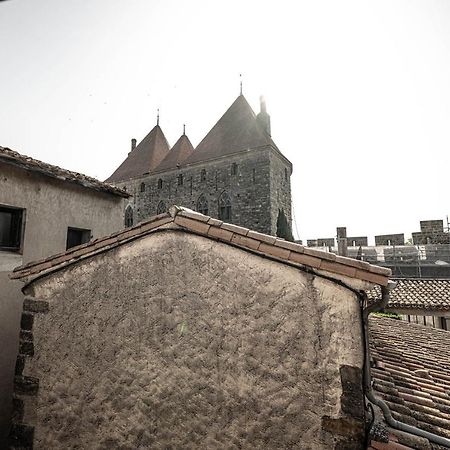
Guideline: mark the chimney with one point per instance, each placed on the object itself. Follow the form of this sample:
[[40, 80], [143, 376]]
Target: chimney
[[342, 240], [264, 118]]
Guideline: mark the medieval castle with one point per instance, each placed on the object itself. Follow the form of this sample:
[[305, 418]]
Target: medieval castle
[[236, 174]]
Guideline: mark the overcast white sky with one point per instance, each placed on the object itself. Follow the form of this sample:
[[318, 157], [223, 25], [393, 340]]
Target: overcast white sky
[[358, 93]]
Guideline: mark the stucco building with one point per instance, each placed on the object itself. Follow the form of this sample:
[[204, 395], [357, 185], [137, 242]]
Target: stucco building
[[43, 210], [236, 173], [185, 331]]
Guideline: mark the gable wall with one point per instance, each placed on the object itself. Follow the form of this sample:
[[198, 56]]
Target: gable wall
[[178, 340]]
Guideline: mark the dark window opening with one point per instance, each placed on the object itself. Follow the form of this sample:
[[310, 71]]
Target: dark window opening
[[129, 216], [142, 187], [234, 168], [77, 236], [203, 175], [162, 208], [180, 179], [202, 205], [286, 174], [10, 228], [254, 175], [160, 184], [225, 207]]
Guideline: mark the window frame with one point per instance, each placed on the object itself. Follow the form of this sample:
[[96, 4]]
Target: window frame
[[85, 233], [21, 229]]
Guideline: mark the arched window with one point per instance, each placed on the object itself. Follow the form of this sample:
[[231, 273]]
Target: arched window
[[160, 184], [180, 179], [203, 175], [286, 174], [234, 169], [142, 187], [129, 216], [224, 206], [202, 205], [161, 207]]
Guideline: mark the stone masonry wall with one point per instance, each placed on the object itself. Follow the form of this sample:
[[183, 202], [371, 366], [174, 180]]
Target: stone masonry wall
[[257, 190], [178, 341]]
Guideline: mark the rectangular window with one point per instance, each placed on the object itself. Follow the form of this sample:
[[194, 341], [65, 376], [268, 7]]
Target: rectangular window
[[77, 236], [11, 220]]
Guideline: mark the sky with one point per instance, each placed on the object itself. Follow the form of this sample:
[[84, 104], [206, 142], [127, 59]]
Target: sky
[[358, 93]]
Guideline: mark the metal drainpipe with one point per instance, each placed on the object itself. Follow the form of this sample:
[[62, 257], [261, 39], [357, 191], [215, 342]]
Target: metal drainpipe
[[394, 423]]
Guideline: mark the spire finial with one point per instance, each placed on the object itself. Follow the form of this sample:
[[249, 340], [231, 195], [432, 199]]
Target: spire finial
[[157, 116], [240, 78], [184, 129]]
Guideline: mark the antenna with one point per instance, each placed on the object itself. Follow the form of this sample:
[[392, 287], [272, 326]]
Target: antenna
[[157, 116], [184, 128], [240, 78]]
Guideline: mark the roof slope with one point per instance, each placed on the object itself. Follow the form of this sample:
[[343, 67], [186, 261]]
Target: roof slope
[[417, 293], [187, 220], [177, 154], [411, 372], [144, 158], [9, 156], [237, 130]]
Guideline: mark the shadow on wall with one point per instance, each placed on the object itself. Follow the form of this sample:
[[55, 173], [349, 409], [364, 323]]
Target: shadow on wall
[[10, 311]]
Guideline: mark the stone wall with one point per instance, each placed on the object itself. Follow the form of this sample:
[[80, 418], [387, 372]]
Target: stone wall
[[257, 190], [177, 341]]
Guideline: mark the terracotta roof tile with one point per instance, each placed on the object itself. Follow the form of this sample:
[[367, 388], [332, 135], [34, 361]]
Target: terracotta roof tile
[[206, 226], [144, 158], [236, 131], [9, 156], [416, 395], [413, 293], [177, 154]]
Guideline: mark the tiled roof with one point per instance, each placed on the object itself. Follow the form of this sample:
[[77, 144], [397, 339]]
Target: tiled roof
[[417, 293], [144, 158], [177, 154], [411, 372], [9, 156], [191, 221], [236, 131]]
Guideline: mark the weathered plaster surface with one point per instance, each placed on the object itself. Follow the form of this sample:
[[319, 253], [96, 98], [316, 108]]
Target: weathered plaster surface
[[177, 341]]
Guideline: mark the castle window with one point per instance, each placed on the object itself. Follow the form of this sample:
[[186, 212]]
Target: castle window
[[77, 236], [203, 175], [180, 179], [285, 174], [160, 184], [234, 168], [202, 205], [142, 187], [224, 206], [129, 216], [254, 175], [162, 208]]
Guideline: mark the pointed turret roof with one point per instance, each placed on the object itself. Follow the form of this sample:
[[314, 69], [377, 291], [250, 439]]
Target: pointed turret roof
[[178, 153], [237, 130], [144, 158]]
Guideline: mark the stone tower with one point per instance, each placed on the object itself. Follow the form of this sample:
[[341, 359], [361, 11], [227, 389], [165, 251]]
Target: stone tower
[[236, 173]]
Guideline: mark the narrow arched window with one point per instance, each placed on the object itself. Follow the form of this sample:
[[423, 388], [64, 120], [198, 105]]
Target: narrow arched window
[[129, 216], [203, 175], [224, 206], [160, 184], [142, 187], [180, 179], [202, 205], [286, 174], [161, 207], [234, 169]]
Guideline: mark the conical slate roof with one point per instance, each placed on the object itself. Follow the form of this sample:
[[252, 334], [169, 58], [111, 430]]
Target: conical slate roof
[[144, 158], [237, 130], [178, 153]]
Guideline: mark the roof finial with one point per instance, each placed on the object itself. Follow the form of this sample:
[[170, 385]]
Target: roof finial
[[240, 78], [157, 116], [184, 129]]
